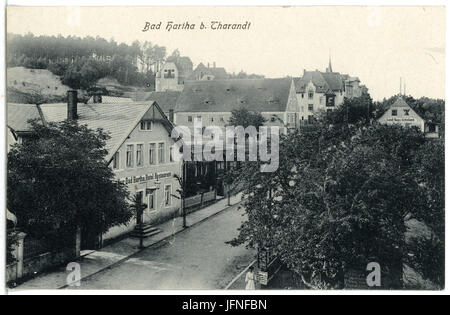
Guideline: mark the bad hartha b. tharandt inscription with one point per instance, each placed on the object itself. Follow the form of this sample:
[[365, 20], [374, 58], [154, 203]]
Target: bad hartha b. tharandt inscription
[[212, 25]]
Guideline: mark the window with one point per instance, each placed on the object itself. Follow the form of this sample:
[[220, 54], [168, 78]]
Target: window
[[152, 200], [146, 125], [431, 128], [130, 155], [212, 119], [168, 195], [152, 154], [169, 74], [310, 95], [139, 155], [161, 155], [406, 111], [394, 112], [330, 101], [171, 154], [116, 161], [189, 118], [311, 107], [222, 119]]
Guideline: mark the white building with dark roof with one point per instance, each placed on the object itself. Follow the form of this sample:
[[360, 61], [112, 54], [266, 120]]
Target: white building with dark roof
[[324, 91], [212, 101], [400, 113], [139, 150]]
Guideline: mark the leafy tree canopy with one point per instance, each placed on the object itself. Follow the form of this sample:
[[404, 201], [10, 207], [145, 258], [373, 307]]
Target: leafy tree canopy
[[341, 195], [59, 181]]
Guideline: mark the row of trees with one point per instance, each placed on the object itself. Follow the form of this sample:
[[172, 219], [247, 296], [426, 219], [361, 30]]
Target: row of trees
[[82, 61], [341, 196]]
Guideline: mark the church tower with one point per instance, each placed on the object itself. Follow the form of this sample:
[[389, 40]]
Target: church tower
[[330, 68]]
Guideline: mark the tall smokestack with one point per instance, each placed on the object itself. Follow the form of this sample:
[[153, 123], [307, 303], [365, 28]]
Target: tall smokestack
[[72, 104], [400, 86]]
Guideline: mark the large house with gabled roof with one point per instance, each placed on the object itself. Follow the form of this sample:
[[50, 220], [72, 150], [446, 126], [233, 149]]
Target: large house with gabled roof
[[139, 151], [400, 113], [212, 101], [322, 92]]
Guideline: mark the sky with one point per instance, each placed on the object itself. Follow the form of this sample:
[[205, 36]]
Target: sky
[[380, 45]]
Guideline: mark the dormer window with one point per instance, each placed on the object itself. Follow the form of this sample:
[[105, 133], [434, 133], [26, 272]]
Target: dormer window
[[394, 112], [146, 125], [311, 95]]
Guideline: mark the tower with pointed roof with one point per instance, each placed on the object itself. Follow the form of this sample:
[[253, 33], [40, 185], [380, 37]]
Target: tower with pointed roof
[[330, 68]]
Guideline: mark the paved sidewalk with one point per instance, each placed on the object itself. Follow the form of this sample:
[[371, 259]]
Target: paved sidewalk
[[118, 252]]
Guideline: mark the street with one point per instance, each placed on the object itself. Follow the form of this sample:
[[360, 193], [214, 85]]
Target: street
[[197, 258]]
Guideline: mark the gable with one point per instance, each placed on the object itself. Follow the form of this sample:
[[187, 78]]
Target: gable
[[292, 104]]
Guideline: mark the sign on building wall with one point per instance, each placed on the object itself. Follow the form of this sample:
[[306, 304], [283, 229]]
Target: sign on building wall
[[144, 178]]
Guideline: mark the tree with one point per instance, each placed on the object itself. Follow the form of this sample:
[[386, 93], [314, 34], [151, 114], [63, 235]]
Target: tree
[[59, 181], [245, 118], [337, 201], [353, 111]]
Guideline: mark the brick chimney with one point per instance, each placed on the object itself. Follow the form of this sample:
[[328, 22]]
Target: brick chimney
[[72, 104], [97, 97]]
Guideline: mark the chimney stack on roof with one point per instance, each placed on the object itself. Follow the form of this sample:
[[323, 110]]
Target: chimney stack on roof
[[208, 64], [72, 104], [97, 97]]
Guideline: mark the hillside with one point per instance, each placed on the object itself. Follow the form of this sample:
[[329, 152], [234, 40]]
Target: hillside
[[35, 81]]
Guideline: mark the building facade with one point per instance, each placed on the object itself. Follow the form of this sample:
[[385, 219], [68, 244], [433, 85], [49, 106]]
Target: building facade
[[321, 92], [211, 102], [318, 92], [168, 78], [139, 150], [400, 113]]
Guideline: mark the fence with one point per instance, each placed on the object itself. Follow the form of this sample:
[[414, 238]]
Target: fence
[[34, 247], [32, 256], [200, 200]]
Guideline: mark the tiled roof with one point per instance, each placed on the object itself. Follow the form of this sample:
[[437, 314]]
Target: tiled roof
[[400, 102], [323, 81], [19, 114], [262, 95], [166, 100], [334, 80], [112, 99], [219, 73], [116, 119]]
